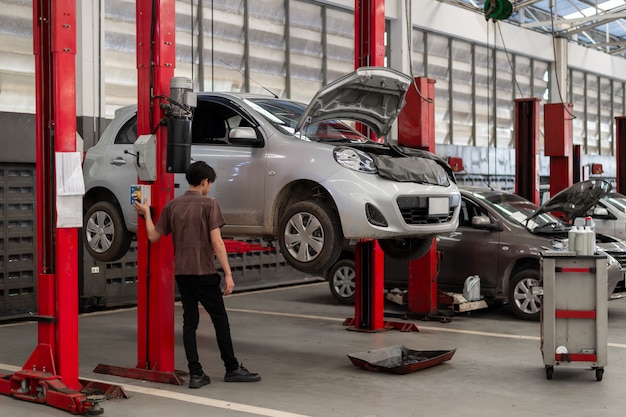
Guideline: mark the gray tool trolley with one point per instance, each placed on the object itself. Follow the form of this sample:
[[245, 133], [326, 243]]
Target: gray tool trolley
[[574, 317]]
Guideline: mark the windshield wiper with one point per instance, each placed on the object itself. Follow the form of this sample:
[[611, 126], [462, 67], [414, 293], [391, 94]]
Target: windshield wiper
[[552, 226]]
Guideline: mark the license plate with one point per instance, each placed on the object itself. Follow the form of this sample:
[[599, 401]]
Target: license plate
[[438, 206]]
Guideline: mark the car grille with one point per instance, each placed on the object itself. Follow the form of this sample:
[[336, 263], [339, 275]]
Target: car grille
[[415, 211]]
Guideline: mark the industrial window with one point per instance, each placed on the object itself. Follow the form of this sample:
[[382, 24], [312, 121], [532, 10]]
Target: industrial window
[[306, 49], [267, 50]]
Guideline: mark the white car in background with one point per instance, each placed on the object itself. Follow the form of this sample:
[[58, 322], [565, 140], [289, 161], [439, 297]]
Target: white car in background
[[609, 215]]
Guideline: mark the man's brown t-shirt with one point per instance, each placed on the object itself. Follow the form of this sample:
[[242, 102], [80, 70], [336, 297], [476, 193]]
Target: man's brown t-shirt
[[190, 218]]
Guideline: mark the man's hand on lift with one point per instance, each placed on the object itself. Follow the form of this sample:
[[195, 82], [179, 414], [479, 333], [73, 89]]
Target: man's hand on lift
[[141, 208]]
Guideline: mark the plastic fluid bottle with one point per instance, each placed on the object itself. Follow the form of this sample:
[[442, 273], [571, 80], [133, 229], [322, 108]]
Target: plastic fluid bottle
[[471, 288], [581, 241], [571, 239]]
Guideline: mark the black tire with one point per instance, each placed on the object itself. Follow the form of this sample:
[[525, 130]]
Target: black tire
[[599, 374], [310, 236], [524, 304], [549, 372], [406, 248], [104, 233], [341, 280]]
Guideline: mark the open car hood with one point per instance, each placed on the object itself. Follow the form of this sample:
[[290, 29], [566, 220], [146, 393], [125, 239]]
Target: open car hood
[[576, 200], [373, 96]]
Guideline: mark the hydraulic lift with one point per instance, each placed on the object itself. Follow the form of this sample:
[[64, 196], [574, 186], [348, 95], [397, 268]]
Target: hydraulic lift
[[558, 145], [620, 149], [50, 375], [156, 59], [416, 128]]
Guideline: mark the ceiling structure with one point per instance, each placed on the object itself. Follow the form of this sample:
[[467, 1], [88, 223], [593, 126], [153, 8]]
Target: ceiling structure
[[598, 24]]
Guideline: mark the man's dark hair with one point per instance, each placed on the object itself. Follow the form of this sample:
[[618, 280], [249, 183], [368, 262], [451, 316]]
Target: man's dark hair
[[199, 171]]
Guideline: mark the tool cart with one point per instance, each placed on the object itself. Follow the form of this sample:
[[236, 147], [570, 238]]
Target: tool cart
[[574, 317]]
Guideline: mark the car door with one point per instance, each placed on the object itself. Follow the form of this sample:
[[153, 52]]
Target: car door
[[118, 167], [240, 184], [468, 251]]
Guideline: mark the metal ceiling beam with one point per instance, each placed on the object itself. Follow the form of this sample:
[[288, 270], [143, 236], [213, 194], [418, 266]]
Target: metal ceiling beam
[[599, 19]]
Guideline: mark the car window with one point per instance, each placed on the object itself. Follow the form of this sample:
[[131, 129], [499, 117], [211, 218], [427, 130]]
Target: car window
[[616, 200], [213, 121], [128, 133], [285, 114], [469, 209]]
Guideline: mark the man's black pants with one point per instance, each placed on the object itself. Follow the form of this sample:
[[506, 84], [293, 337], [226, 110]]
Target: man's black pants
[[204, 289]]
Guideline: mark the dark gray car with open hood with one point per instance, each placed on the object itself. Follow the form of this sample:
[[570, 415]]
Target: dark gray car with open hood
[[500, 238], [501, 235]]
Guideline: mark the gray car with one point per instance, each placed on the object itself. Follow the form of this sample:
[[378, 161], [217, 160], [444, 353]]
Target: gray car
[[609, 215], [500, 238], [303, 175]]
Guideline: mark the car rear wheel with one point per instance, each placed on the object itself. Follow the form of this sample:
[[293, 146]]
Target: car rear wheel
[[310, 237], [525, 304], [341, 280], [105, 236], [407, 248]]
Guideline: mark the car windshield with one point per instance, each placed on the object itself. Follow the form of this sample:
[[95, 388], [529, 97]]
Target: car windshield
[[284, 116], [616, 200], [518, 209]]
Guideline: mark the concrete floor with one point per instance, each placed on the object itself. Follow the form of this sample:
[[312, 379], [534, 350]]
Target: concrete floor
[[294, 337]]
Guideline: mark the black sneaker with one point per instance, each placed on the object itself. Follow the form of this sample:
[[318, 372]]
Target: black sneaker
[[197, 381], [241, 374]]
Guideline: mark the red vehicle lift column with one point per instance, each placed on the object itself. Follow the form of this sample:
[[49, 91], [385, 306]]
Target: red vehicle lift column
[[620, 150], [369, 50], [416, 129], [527, 148], [559, 144], [50, 376], [156, 59]]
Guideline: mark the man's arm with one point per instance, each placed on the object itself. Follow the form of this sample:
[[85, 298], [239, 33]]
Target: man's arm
[[143, 209], [220, 252]]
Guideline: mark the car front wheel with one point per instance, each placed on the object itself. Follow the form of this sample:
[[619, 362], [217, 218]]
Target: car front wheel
[[341, 280], [106, 238], [406, 249], [310, 236], [525, 304]]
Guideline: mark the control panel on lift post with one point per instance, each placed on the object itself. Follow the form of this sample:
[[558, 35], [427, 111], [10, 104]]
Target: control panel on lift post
[[144, 150]]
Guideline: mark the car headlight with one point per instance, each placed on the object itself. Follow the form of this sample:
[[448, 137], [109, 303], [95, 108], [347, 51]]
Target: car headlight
[[355, 159]]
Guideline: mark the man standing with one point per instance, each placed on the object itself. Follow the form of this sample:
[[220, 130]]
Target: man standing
[[194, 220]]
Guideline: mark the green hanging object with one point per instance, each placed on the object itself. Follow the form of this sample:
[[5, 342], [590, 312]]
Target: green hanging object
[[498, 9]]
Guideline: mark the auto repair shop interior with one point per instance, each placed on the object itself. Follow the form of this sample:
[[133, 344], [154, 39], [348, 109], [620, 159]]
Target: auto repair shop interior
[[423, 204]]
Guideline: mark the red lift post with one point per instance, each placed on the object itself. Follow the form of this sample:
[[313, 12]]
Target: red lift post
[[558, 144], [369, 301], [620, 148], [156, 59], [527, 148], [416, 129], [50, 376]]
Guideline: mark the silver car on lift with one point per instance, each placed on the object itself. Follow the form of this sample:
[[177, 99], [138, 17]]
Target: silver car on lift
[[303, 175]]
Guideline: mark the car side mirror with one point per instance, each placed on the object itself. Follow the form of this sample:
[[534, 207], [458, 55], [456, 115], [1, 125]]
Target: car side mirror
[[600, 211], [482, 222], [243, 136]]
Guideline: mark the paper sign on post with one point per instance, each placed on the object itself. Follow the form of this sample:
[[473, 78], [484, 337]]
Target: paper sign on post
[[70, 188]]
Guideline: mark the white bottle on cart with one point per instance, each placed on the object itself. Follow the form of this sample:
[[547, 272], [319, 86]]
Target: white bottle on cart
[[581, 241]]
